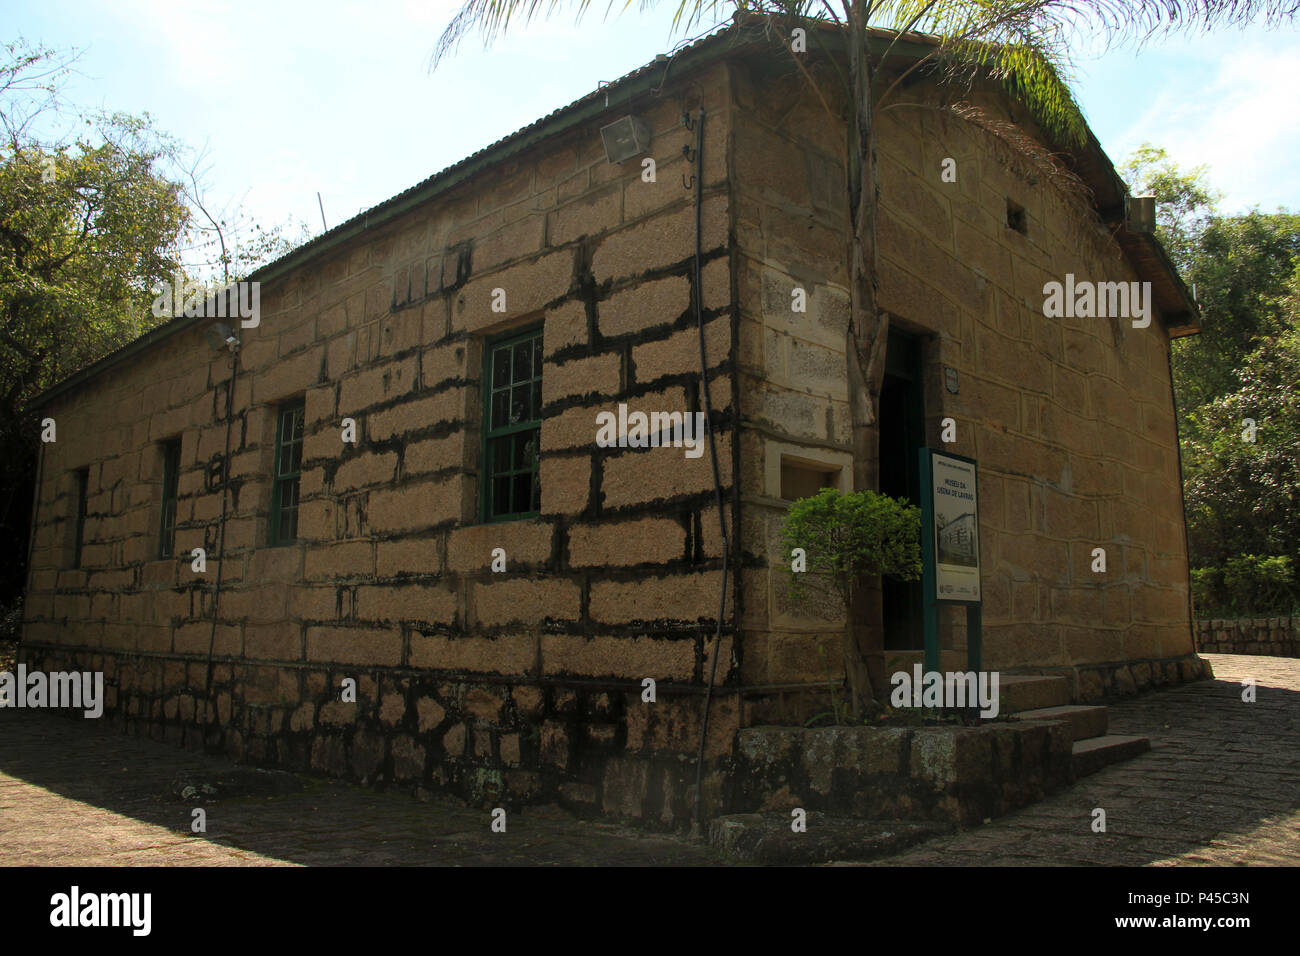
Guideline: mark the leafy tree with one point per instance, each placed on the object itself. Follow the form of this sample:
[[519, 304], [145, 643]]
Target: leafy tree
[[1242, 480], [1185, 201], [1240, 267], [88, 226], [1245, 586], [1241, 270], [1021, 43], [84, 233], [846, 538]]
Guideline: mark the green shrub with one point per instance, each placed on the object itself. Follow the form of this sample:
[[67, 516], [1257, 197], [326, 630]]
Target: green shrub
[[1248, 585], [844, 538]]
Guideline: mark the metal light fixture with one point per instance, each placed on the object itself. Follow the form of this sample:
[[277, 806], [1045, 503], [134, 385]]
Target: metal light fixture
[[220, 335], [1140, 211], [625, 138]]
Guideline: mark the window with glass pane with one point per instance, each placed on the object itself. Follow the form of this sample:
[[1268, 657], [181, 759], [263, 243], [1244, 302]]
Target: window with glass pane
[[288, 466], [171, 480], [512, 426]]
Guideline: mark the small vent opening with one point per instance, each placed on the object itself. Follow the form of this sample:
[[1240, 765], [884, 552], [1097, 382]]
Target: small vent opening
[[1016, 218], [802, 479]]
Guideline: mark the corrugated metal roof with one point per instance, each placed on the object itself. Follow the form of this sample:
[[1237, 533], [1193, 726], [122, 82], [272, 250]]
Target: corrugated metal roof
[[1098, 170], [472, 159], [377, 214]]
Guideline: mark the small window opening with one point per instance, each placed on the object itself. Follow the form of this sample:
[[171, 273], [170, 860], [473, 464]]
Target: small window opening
[[1016, 218]]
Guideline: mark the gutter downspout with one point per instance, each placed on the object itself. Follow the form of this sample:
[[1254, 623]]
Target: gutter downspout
[[1182, 497]]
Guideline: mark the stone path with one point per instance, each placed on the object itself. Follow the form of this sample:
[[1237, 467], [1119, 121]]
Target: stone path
[[1221, 785]]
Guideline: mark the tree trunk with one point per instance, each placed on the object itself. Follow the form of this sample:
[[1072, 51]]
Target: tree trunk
[[865, 342]]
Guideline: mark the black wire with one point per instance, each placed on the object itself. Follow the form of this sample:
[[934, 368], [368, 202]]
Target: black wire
[[717, 479], [208, 707]]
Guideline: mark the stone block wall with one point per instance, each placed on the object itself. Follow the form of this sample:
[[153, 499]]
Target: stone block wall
[[526, 684], [1070, 419], [1269, 636], [956, 775], [522, 684]]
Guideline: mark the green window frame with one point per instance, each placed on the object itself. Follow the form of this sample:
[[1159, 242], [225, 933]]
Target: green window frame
[[287, 472], [512, 426], [171, 475], [79, 535]]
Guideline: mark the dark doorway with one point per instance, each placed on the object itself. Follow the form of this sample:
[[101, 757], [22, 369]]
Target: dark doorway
[[902, 432]]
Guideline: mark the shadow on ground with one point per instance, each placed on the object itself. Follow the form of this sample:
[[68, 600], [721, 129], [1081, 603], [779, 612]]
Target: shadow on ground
[[1221, 784], [58, 775]]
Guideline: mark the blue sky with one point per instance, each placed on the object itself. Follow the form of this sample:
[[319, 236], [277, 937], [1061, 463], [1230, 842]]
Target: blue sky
[[294, 97]]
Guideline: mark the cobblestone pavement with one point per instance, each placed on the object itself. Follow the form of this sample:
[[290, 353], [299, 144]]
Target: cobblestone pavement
[[1221, 785]]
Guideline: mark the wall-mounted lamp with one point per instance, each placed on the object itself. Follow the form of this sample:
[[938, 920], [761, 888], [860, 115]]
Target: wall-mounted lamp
[[1140, 212], [221, 336], [625, 138]]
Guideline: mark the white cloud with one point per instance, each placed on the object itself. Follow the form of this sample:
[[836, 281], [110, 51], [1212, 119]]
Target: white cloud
[[1236, 115]]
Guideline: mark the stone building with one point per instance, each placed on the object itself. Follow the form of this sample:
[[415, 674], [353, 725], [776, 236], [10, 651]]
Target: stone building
[[470, 330]]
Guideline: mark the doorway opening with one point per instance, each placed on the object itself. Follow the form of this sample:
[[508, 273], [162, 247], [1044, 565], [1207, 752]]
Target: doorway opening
[[902, 433]]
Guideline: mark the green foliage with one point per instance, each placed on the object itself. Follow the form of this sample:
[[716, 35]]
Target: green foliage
[[848, 536], [1185, 201], [1243, 268], [88, 226], [1024, 43], [1241, 486], [78, 254], [1246, 586], [1243, 496]]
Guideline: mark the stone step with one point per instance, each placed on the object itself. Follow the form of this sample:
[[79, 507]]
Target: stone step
[[904, 660], [1089, 756], [1085, 720], [768, 838], [1021, 692]]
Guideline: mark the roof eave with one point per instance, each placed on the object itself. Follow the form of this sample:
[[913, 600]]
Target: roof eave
[[1179, 311]]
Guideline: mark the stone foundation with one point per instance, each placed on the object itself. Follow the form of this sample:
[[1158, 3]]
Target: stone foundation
[[960, 775], [1094, 682], [1268, 636], [596, 750]]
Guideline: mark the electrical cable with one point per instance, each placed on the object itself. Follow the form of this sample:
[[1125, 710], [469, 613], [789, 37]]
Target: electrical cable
[[208, 707], [713, 453]]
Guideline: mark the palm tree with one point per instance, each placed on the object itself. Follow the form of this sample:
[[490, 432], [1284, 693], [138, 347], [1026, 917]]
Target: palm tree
[[1022, 43]]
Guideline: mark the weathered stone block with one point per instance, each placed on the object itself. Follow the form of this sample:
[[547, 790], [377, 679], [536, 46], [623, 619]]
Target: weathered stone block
[[526, 601], [617, 656], [649, 540], [644, 306], [346, 645]]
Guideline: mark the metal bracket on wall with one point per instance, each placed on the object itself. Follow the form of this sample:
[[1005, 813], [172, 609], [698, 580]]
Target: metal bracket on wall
[[691, 153]]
